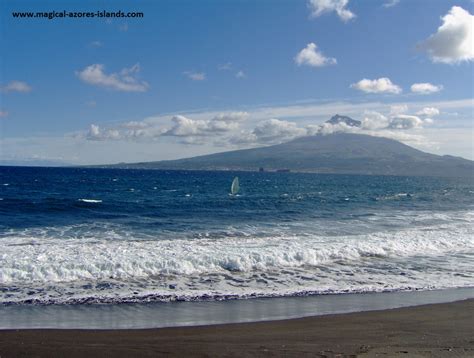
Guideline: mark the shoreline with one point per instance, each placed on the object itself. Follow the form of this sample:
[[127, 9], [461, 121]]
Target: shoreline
[[199, 313], [427, 330]]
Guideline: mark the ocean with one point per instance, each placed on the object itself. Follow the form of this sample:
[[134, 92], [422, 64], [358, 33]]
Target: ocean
[[80, 236]]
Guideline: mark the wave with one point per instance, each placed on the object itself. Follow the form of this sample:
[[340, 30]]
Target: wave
[[90, 200], [91, 269]]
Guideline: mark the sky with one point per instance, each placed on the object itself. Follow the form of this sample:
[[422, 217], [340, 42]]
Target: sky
[[198, 77]]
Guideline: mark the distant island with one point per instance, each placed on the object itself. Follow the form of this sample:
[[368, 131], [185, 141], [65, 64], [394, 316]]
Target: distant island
[[337, 153]]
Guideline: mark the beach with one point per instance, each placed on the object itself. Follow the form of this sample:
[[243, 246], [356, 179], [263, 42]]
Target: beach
[[436, 330], [166, 263]]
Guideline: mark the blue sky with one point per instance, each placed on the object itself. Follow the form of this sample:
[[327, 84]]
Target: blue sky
[[196, 77]]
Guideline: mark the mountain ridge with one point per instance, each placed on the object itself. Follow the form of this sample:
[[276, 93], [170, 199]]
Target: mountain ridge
[[337, 153]]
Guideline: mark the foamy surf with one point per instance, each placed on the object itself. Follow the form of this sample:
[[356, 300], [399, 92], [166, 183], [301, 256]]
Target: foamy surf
[[88, 270], [90, 200]]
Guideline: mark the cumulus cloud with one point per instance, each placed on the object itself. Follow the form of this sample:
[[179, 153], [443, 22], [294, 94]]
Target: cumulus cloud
[[320, 7], [97, 134], [404, 121], [428, 112], [240, 74], [275, 130], [125, 80], [397, 119], [425, 88], [312, 57], [16, 86], [188, 129], [380, 85], [221, 123], [453, 42], [328, 128], [391, 3], [195, 76], [398, 109], [235, 130], [374, 120], [185, 127], [231, 117]]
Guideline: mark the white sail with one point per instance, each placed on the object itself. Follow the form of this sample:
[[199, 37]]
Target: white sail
[[234, 189]]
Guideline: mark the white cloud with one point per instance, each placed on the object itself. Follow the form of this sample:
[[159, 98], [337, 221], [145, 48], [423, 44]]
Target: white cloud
[[398, 109], [425, 88], [94, 131], [374, 120], [188, 129], [320, 7], [125, 80], [219, 124], [428, 112], [195, 76], [240, 74], [404, 121], [312, 57], [185, 127], [453, 42], [97, 134], [231, 116], [16, 86], [276, 131], [391, 3], [381, 85], [230, 130], [328, 128]]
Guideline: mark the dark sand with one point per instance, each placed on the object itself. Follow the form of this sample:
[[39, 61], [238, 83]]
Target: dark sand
[[439, 330]]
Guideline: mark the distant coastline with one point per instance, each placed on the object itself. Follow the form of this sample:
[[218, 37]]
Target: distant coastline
[[338, 153]]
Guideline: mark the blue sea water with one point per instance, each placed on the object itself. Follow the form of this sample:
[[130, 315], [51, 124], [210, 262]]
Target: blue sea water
[[74, 235]]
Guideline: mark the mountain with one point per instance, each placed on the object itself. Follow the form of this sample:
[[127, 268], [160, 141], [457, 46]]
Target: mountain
[[337, 119], [339, 153]]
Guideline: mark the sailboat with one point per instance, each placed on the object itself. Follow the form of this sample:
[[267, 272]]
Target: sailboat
[[234, 189]]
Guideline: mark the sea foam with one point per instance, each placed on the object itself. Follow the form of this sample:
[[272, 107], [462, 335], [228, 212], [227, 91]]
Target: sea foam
[[104, 270]]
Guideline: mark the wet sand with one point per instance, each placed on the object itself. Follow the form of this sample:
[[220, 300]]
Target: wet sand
[[438, 330]]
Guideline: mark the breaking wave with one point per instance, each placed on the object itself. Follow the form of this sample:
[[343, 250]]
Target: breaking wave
[[55, 270]]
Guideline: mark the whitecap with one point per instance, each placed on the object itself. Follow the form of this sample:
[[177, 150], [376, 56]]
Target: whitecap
[[90, 200]]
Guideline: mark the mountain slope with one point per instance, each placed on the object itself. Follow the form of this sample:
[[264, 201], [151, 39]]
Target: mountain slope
[[340, 153]]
